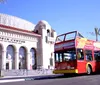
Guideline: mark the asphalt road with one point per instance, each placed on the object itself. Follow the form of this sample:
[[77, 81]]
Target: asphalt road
[[77, 80]]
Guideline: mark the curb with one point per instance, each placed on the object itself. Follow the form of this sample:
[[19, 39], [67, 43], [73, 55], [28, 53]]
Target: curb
[[29, 78], [11, 80]]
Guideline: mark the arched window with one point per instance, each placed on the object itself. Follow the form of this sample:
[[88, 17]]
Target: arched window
[[33, 56], [22, 53], [48, 32], [10, 52], [10, 55], [22, 58], [52, 34], [1, 48]]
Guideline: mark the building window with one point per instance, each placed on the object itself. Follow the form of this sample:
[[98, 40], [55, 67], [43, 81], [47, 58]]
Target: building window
[[22, 57], [10, 52], [48, 32], [52, 34]]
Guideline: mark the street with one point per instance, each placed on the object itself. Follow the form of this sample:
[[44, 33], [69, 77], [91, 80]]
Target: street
[[77, 80]]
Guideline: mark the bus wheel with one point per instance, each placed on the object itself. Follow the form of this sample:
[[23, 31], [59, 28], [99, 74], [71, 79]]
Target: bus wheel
[[89, 70]]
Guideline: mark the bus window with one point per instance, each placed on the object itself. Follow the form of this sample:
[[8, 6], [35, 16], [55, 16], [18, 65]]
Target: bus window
[[70, 36], [69, 55], [88, 54], [80, 54], [58, 57], [60, 38], [97, 55]]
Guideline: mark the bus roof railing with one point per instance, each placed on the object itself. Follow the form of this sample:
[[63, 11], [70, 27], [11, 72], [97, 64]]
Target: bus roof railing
[[62, 37]]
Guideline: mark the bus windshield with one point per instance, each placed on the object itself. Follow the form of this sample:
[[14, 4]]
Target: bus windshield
[[65, 56]]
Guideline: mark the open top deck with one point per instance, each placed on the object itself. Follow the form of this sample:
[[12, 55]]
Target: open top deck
[[74, 40], [66, 40]]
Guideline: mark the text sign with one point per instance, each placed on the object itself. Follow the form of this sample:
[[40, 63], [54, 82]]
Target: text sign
[[11, 40]]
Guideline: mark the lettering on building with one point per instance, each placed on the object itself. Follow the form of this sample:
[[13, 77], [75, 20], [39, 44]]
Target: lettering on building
[[11, 40]]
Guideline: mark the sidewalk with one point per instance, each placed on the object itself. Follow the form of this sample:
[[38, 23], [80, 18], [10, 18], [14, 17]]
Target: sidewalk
[[27, 78]]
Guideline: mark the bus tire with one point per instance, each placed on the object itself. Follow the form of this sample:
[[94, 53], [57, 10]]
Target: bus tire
[[89, 70]]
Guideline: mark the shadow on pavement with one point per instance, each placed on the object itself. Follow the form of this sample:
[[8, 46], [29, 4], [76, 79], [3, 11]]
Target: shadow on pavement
[[58, 77], [65, 76]]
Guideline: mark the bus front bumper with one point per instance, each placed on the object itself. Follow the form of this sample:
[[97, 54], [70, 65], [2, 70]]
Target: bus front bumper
[[65, 71]]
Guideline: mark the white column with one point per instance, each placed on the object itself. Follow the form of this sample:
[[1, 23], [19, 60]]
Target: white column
[[16, 60], [28, 61], [4, 60]]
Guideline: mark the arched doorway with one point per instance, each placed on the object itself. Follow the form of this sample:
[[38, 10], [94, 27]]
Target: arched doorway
[[10, 56], [33, 56], [22, 58], [1, 56]]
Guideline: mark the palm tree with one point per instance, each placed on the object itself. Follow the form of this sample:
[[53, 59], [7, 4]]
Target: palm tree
[[97, 32], [2, 1]]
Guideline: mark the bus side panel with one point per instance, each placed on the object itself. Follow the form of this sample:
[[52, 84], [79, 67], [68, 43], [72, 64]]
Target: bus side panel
[[81, 66], [97, 66]]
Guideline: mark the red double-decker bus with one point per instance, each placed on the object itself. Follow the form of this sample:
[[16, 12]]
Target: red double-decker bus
[[76, 54]]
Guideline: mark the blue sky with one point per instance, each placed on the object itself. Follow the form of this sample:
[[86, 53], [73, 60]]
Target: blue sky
[[62, 15]]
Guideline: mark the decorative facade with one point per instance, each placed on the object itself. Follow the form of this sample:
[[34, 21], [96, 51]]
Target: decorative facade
[[24, 45]]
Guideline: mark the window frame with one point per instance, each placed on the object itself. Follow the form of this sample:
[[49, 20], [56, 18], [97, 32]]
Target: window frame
[[82, 54], [88, 55], [95, 56]]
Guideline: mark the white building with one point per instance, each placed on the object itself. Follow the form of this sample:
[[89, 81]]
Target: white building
[[24, 45]]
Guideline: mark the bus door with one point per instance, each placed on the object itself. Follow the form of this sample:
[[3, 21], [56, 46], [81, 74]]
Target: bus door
[[97, 60], [81, 63], [89, 61]]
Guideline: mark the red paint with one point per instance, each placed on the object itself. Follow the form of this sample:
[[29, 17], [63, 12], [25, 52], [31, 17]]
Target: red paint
[[76, 43]]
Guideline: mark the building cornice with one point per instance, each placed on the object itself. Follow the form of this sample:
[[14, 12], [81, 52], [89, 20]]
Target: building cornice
[[9, 28]]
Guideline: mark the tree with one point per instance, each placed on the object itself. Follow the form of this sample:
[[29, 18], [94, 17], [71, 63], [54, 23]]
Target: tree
[[97, 32], [2, 1]]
